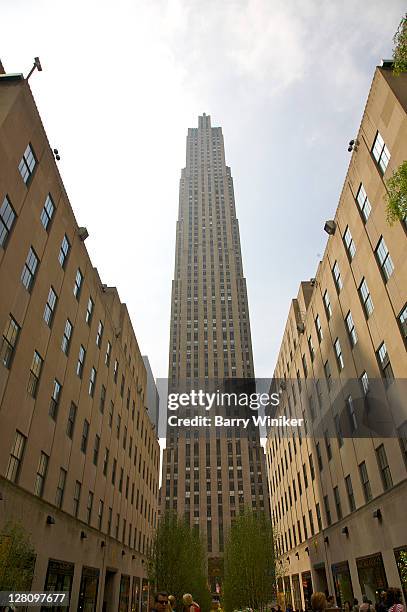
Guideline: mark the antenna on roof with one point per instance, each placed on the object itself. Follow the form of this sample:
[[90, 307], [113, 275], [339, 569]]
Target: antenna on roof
[[37, 65]]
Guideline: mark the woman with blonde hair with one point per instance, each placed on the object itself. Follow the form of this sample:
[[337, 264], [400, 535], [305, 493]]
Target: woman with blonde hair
[[318, 602]]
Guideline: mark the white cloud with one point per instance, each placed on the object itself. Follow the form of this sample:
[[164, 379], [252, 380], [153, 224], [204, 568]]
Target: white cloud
[[123, 81]]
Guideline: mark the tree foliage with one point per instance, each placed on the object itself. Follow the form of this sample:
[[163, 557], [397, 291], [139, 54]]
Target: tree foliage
[[402, 563], [177, 563], [17, 558], [250, 573], [400, 49], [397, 194]]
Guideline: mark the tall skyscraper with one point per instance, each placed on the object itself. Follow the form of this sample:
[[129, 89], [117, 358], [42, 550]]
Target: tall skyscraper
[[208, 477]]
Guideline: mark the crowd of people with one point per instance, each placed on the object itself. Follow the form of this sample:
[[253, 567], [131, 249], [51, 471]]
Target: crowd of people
[[168, 603], [389, 600]]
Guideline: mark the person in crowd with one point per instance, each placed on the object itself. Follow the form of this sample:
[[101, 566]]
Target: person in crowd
[[330, 603], [381, 602], [355, 605], [346, 606], [393, 600], [160, 602], [318, 602], [189, 605], [171, 603], [366, 605]]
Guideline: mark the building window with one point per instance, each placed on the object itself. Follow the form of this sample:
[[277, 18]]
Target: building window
[[353, 338], [92, 382], [105, 461], [318, 327], [102, 399], [108, 353], [319, 519], [71, 421], [319, 457], [7, 218], [115, 370], [99, 334], [384, 467], [35, 373], [380, 153], [10, 337], [50, 307], [76, 498], [364, 381], [351, 414], [311, 348], [328, 375], [85, 435], [365, 298], [55, 396], [64, 251], [349, 244], [338, 503], [89, 311], [304, 365], [327, 511], [311, 467], [384, 259], [81, 361], [89, 507], [100, 514], [96, 450], [78, 284], [338, 430], [16, 457], [59, 496], [364, 478], [327, 304], [363, 202], [29, 270], [41, 474], [337, 277], [384, 364], [47, 213], [402, 436], [66, 338], [351, 496], [402, 319], [338, 353], [27, 164]]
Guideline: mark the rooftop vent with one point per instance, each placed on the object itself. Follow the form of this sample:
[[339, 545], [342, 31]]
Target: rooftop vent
[[330, 227], [83, 233], [387, 63]]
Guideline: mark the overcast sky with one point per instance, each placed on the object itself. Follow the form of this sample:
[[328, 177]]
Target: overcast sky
[[122, 81]]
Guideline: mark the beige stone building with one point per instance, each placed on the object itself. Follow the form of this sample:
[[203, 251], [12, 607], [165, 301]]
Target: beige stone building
[[79, 458], [210, 475], [338, 485]]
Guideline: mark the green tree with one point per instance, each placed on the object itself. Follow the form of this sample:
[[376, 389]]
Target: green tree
[[400, 49], [177, 563], [17, 558], [396, 195], [402, 563], [250, 571]]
